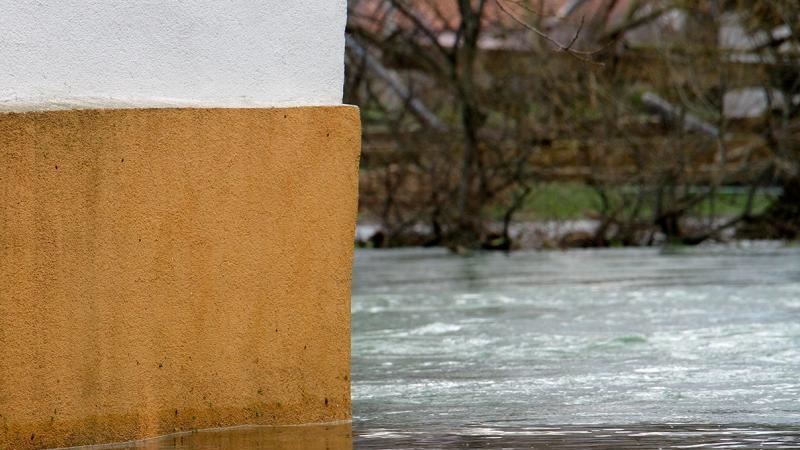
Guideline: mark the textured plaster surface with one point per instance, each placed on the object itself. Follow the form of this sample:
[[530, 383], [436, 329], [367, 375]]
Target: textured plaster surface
[[174, 269], [120, 53]]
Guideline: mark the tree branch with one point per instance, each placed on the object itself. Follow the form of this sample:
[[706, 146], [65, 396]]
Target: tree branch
[[568, 49], [415, 106]]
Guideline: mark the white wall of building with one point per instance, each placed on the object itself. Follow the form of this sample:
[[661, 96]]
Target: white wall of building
[[139, 53]]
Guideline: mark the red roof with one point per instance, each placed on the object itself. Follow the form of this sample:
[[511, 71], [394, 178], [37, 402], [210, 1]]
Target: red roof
[[441, 16]]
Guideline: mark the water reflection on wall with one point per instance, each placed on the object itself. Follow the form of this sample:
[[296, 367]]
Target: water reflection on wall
[[323, 437]]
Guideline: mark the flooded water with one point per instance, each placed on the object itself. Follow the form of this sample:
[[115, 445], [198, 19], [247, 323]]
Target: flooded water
[[630, 348], [606, 349]]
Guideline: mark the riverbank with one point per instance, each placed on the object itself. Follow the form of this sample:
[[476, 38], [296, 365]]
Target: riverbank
[[574, 215], [547, 234]]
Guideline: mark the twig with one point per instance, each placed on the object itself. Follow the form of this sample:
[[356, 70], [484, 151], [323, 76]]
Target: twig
[[577, 54]]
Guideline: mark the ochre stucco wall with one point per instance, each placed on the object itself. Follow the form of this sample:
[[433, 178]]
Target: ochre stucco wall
[[174, 269]]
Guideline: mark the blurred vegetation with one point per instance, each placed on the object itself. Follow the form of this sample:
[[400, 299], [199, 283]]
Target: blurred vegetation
[[655, 120]]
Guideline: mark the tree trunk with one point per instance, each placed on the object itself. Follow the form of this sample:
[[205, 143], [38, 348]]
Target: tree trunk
[[468, 232]]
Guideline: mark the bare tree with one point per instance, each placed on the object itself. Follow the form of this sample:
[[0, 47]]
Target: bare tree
[[469, 105], [489, 169]]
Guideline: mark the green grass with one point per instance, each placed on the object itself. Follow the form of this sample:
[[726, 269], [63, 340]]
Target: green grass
[[570, 201], [733, 203], [560, 201]]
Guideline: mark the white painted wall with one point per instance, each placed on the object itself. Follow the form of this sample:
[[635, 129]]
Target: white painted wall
[[131, 53]]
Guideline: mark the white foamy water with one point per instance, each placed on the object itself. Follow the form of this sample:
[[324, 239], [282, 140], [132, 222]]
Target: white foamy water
[[625, 337]]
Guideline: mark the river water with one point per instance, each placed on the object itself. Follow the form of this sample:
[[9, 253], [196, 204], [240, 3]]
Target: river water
[[628, 348], [602, 349]]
